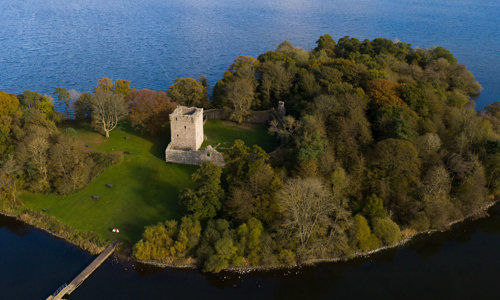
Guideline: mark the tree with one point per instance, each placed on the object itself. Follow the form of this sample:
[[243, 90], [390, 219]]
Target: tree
[[9, 111], [9, 104], [9, 177], [275, 82], [32, 154], [42, 103], [306, 205], [397, 161], [122, 87], [255, 197], [29, 98], [395, 173], [326, 43], [492, 112], [104, 84], [365, 239], [383, 92], [189, 92], [386, 230], [83, 107], [205, 199], [374, 208], [63, 98], [239, 97], [149, 110], [235, 92], [108, 109]]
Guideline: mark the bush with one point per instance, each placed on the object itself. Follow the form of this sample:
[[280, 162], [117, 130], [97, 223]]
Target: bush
[[365, 240], [386, 230], [420, 222], [287, 257]]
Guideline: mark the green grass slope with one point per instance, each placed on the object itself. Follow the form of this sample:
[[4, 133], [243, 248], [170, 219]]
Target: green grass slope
[[145, 188], [225, 133]]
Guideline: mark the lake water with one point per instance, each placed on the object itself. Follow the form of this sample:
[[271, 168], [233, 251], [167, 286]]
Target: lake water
[[71, 43], [460, 264]]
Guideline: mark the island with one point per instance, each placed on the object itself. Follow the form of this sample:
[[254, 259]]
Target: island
[[295, 157]]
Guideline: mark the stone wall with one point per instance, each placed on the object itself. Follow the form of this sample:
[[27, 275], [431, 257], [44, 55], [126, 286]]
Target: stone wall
[[192, 157], [186, 128], [258, 117]]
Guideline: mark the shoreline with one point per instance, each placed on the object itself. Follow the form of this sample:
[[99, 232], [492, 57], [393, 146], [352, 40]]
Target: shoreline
[[480, 213], [125, 255]]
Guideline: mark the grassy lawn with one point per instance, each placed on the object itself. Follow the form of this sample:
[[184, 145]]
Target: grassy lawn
[[225, 132], [145, 188]]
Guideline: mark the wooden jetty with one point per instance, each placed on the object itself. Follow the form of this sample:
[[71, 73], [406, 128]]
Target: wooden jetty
[[67, 289]]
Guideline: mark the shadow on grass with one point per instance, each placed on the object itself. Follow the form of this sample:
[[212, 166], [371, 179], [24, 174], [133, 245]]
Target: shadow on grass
[[157, 196]]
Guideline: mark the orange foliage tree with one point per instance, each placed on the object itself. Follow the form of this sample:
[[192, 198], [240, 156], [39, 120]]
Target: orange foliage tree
[[383, 92], [149, 110]]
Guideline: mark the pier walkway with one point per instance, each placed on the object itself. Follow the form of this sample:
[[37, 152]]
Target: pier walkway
[[67, 289]]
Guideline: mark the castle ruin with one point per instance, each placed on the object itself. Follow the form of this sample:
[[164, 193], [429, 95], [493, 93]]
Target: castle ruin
[[186, 131]]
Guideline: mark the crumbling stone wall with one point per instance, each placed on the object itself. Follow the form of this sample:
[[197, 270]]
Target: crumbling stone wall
[[186, 130], [192, 157]]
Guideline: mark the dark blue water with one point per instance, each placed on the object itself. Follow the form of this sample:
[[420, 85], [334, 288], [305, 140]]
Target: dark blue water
[[460, 264], [73, 43]]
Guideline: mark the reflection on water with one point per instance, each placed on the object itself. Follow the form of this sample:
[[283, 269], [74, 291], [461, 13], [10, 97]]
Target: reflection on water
[[462, 263]]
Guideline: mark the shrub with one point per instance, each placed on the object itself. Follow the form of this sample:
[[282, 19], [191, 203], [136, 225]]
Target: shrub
[[386, 230], [365, 240]]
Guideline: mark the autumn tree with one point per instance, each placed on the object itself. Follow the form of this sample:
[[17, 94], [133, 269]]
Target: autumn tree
[[217, 248], [43, 104], [83, 107], [306, 205], [275, 82], [395, 172], [9, 112], [386, 230], [122, 87], [32, 154], [104, 84], [239, 96], [108, 109], [189, 92], [326, 43], [169, 240], [383, 92], [149, 110], [236, 91], [364, 238]]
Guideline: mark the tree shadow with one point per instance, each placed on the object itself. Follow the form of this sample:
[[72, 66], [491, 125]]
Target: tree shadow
[[160, 194]]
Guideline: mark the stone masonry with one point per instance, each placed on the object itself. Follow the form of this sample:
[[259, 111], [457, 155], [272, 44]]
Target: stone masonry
[[186, 130]]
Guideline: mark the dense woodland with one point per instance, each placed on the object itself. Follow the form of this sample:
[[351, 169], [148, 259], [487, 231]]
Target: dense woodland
[[380, 141]]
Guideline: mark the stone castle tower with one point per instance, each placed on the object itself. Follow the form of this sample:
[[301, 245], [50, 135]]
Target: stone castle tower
[[186, 128]]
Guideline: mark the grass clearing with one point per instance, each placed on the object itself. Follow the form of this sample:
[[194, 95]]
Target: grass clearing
[[226, 132], [145, 188]]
